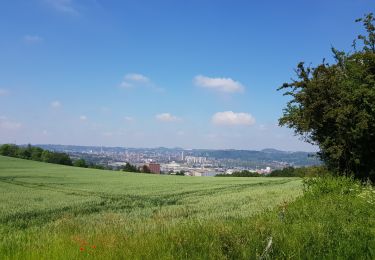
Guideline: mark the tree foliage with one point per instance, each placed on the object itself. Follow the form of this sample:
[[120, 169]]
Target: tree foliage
[[312, 171], [333, 106], [80, 163], [34, 153], [55, 157], [130, 168]]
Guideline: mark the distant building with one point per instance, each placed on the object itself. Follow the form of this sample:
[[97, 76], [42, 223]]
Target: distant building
[[229, 171], [154, 168], [195, 160]]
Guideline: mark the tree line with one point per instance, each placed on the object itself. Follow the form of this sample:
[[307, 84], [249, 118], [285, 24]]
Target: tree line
[[35, 153], [244, 173], [132, 168], [311, 171]]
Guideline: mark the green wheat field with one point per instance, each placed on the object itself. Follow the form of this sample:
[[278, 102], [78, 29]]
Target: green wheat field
[[51, 211]]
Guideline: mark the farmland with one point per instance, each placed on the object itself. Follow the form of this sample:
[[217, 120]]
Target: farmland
[[39, 197], [51, 211]]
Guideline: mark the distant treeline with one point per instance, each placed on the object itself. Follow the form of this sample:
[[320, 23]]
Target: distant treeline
[[244, 173], [312, 171], [35, 153], [132, 168]]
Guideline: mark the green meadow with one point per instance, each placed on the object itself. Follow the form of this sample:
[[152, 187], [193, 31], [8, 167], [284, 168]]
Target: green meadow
[[51, 211]]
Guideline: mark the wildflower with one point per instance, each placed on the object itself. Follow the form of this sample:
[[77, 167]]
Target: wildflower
[[81, 249], [93, 246]]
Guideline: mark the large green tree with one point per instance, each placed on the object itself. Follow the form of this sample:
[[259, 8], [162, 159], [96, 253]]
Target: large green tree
[[333, 106]]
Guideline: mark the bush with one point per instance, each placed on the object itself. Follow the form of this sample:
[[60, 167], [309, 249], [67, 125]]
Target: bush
[[312, 171], [9, 150]]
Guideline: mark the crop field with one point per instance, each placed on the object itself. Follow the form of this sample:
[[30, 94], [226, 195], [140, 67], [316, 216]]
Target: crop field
[[53, 211]]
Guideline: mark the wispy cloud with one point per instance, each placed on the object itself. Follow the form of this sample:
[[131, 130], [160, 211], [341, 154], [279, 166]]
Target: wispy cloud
[[32, 39], [180, 133], [128, 119], [135, 77], [126, 85], [167, 117], [224, 85], [133, 80], [7, 124], [56, 104], [3, 92], [83, 118], [63, 6], [108, 134], [231, 118]]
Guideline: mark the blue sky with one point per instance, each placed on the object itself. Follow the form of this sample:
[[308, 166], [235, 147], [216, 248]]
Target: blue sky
[[192, 74]]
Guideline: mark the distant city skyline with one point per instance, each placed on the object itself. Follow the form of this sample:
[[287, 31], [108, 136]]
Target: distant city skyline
[[190, 74]]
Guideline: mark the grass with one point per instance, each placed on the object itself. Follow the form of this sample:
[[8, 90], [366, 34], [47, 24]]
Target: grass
[[56, 212]]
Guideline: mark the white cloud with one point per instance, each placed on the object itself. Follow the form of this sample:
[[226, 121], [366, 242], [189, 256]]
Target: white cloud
[[225, 85], [108, 134], [126, 85], [129, 119], [133, 80], [136, 77], [7, 124], [3, 92], [231, 118], [32, 39], [262, 127], [167, 117], [56, 104], [83, 118], [180, 133], [64, 6]]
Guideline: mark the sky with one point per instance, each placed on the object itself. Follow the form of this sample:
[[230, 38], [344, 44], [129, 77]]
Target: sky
[[171, 73]]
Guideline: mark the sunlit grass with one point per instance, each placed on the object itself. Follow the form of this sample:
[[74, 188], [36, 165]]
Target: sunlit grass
[[55, 212], [41, 200]]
